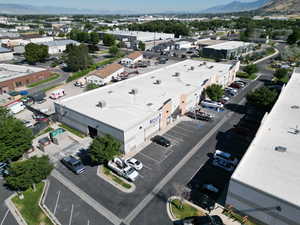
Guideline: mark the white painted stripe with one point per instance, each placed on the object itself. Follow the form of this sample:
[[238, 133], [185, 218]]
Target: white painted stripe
[[56, 203], [71, 215], [5, 215]]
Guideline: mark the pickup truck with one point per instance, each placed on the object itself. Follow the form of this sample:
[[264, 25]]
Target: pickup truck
[[122, 169]]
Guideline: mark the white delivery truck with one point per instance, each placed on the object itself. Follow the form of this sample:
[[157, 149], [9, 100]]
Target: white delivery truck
[[16, 107], [121, 168], [56, 94]]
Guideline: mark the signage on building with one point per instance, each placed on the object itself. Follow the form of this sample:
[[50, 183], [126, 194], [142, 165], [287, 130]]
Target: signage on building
[[155, 120]]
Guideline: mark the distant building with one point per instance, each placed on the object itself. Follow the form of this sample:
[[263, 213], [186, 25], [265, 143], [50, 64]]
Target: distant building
[[105, 75], [58, 46], [228, 50], [35, 38], [132, 58], [183, 45], [6, 54], [14, 76], [265, 185]]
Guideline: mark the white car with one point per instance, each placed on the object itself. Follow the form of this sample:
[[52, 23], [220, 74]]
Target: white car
[[136, 164], [225, 156], [231, 89], [27, 123], [210, 187], [208, 103], [223, 164]]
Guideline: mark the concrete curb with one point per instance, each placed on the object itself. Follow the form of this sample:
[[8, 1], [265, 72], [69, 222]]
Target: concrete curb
[[116, 185], [14, 211], [43, 206]]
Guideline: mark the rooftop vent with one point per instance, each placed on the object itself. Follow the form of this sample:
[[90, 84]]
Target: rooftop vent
[[152, 77], [295, 106], [210, 67], [192, 68], [177, 74], [187, 85], [109, 92], [101, 104], [133, 91], [157, 82], [149, 104], [280, 149]]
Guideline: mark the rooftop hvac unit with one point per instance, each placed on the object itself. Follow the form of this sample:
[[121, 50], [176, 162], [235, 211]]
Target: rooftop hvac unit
[[210, 67], [101, 104], [177, 74], [157, 82], [133, 91], [192, 68], [280, 149]]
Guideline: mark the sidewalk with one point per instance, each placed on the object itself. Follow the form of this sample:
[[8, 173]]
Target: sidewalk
[[226, 220]]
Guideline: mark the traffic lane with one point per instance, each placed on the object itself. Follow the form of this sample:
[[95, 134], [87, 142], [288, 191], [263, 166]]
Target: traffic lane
[[69, 208], [155, 212], [6, 218]]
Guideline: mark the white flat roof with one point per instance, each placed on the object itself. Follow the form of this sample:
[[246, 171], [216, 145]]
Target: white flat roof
[[141, 35], [273, 172], [124, 110], [10, 71], [227, 45]]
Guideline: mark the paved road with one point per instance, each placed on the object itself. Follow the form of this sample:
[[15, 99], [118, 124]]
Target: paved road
[[6, 218]]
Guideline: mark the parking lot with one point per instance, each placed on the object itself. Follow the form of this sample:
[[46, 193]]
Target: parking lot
[[69, 209], [6, 218]]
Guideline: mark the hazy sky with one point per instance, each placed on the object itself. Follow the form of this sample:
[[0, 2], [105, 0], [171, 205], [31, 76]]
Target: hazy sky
[[143, 5]]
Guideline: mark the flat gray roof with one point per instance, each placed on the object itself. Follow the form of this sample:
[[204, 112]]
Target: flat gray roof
[[59, 43], [228, 45], [264, 168], [10, 71], [124, 110]]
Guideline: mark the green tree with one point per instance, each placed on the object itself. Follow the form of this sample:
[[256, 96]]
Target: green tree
[[251, 69], [15, 138], [78, 58], [24, 174], [94, 38], [109, 40], [91, 86], [35, 53], [142, 46], [294, 37], [263, 98], [114, 50], [215, 92], [103, 149], [281, 73]]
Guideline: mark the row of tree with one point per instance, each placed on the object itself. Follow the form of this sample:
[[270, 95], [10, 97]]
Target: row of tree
[[83, 36]]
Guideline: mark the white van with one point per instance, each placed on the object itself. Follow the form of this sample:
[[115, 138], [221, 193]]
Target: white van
[[16, 107], [211, 104], [57, 94]]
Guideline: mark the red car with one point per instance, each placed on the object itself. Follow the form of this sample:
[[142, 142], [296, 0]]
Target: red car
[[235, 85], [40, 118]]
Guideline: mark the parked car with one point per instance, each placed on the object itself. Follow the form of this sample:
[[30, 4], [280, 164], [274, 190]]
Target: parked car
[[242, 83], [205, 202], [229, 167], [122, 169], [210, 187], [224, 99], [73, 164], [3, 169], [27, 123], [225, 156], [235, 85], [200, 116], [161, 141], [136, 164], [200, 220], [212, 104]]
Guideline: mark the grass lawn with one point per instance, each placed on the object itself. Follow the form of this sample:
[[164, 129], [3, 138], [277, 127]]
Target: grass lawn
[[252, 76], [29, 207], [115, 178], [53, 77], [103, 52], [72, 130], [283, 80], [186, 211]]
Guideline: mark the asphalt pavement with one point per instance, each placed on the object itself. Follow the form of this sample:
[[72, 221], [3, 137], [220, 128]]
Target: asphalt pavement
[[6, 218]]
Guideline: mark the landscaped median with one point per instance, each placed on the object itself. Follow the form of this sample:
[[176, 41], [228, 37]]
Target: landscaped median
[[178, 210], [119, 182], [29, 209]]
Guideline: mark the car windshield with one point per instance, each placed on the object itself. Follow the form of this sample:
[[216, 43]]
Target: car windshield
[[130, 171], [75, 164]]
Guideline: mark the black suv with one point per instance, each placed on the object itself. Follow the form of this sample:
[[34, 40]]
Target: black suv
[[161, 141], [200, 220]]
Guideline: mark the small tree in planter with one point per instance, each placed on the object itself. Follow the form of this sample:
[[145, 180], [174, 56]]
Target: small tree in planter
[[182, 192]]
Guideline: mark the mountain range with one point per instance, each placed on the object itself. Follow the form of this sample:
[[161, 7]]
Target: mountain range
[[283, 6]]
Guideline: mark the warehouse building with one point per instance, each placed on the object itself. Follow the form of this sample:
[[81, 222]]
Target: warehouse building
[[265, 185], [228, 50], [58, 46], [6, 54], [134, 109], [132, 38], [14, 77]]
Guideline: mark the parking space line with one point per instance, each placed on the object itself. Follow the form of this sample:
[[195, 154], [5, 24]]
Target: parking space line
[[148, 157], [71, 215], [186, 130], [174, 137], [5, 215], [88, 223], [56, 203], [179, 133], [147, 167]]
